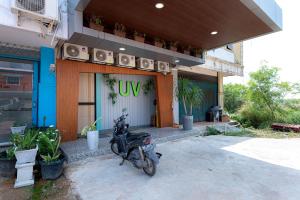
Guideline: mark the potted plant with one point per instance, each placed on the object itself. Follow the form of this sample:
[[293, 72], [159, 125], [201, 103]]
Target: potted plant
[[173, 46], [18, 127], [96, 23], [120, 30], [92, 135], [140, 37], [7, 163], [190, 95], [52, 158], [25, 146], [198, 52], [159, 42], [187, 50]]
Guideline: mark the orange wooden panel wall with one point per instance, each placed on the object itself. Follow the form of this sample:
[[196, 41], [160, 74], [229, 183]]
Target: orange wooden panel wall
[[67, 75]]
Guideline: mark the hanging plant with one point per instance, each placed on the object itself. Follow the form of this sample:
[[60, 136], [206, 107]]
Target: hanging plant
[[148, 86], [110, 82]]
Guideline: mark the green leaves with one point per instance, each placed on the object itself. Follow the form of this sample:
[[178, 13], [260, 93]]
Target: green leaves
[[48, 142], [189, 94], [90, 127], [234, 97], [26, 141], [263, 100]]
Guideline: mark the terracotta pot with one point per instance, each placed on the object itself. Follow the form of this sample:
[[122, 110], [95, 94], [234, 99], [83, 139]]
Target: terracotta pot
[[187, 52], [199, 55], [139, 39], [158, 44], [120, 33], [97, 27], [172, 48]]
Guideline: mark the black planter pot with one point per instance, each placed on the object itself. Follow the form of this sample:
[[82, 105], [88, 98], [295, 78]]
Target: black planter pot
[[53, 170], [7, 167]]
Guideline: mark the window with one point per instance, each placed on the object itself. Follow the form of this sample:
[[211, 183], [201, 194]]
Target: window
[[11, 80]]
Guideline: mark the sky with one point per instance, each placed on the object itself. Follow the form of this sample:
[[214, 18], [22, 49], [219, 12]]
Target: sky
[[281, 49]]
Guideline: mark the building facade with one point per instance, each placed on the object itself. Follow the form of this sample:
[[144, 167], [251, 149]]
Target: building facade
[[68, 63]]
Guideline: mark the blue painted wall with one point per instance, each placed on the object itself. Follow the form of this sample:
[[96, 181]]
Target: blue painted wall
[[47, 89]]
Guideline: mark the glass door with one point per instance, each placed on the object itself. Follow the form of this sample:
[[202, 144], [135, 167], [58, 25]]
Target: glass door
[[16, 86]]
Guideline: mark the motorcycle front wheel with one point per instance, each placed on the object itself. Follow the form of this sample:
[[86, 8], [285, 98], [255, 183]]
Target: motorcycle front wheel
[[150, 170], [114, 148]]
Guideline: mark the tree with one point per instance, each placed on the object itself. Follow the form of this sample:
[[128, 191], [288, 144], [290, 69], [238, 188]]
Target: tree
[[189, 94], [234, 97], [266, 90]]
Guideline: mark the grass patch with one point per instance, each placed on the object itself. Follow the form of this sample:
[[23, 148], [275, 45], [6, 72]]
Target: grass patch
[[241, 133], [42, 190], [251, 132], [269, 133]]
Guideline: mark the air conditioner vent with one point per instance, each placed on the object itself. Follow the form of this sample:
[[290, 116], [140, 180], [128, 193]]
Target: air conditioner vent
[[162, 67], [72, 50], [125, 60], [37, 6], [75, 52], [102, 56], [145, 64]]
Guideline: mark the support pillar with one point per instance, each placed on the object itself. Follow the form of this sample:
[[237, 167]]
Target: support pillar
[[220, 91], [47, 89], [175, 104]]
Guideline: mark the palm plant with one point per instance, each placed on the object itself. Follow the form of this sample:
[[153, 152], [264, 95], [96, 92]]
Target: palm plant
[[189, 94]]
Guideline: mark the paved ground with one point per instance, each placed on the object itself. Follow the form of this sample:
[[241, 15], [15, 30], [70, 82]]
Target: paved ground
[[215, 167]]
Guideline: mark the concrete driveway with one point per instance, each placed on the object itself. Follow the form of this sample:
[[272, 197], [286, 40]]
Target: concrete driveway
[[215, 167]]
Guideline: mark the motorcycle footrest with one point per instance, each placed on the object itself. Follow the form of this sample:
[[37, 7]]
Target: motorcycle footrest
[[158, 155]]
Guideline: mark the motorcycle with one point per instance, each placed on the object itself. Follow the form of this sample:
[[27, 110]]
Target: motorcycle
[[137, 148]]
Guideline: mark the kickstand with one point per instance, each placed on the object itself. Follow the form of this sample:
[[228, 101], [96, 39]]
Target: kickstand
[[121, 163]]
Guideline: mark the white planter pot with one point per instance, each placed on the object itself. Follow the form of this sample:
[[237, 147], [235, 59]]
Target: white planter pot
[[93, 139], [18, 129], [24, 175], [26, 156]]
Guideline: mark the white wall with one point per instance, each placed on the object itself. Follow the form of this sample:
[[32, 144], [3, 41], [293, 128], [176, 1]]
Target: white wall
[[139, 108], [9, 19], [222, 54]]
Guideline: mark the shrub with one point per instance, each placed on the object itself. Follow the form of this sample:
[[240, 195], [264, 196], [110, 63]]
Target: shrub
[[253, 116], [234, 97], [212, 131]]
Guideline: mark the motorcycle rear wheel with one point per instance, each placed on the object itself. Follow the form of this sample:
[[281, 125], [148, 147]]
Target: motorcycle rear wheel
[[150, 170], [114, 148]]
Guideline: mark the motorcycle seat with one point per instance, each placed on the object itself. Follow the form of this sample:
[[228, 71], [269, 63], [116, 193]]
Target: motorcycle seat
[[132, 136]]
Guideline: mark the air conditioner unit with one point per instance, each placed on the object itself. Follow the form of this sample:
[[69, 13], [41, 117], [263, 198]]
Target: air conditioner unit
[[145, 64], [43, 10], [125, 60], [75, 52], [102, 56], [162, 67]]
